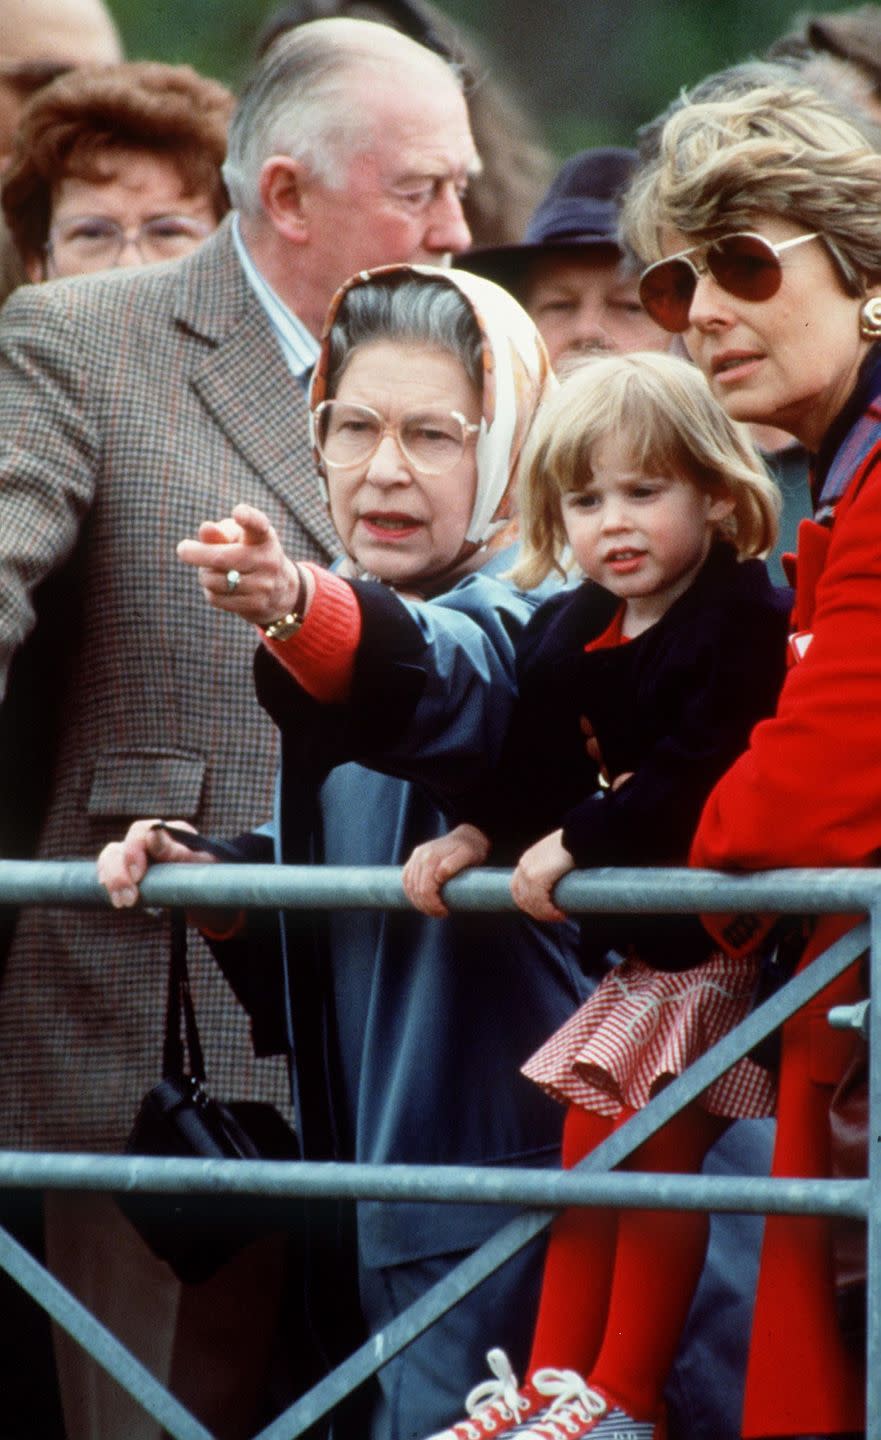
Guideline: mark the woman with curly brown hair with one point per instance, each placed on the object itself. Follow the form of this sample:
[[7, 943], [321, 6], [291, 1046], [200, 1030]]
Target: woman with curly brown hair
[[117, 165]]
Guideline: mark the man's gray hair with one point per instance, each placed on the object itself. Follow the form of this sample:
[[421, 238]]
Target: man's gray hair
[[298, 102]]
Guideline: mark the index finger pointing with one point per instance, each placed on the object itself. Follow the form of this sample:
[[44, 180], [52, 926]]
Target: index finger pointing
[[254, 523]]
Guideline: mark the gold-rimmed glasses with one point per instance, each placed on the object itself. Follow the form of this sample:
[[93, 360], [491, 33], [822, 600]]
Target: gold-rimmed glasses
[[347, 435]]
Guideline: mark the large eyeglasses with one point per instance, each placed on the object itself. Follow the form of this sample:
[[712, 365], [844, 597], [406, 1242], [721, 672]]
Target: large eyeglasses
[[93, 242], [430, 440], [746, 265]]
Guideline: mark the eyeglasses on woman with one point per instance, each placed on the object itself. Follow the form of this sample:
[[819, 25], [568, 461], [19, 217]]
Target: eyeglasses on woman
[[432, 441], [744, 264]]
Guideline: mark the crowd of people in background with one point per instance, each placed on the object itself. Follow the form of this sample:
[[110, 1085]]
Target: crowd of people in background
[[546, 494]]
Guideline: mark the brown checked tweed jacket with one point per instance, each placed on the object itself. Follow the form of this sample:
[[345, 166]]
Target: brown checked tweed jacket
[[134, 405]]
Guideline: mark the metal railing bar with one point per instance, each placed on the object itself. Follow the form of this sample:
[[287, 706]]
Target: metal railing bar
[[441, 1184], [851, 1017], [514, 1236], [87, 1331], [637, 891], [73, 882]]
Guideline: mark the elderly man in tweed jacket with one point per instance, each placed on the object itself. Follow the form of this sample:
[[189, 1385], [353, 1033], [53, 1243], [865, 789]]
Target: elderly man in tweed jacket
[[132, 405]]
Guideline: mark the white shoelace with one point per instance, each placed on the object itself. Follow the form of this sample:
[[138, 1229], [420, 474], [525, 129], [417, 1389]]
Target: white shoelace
[[494, 1400], [573, 1402]]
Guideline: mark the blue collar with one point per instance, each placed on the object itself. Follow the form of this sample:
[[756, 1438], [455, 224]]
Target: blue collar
[[298, 345]]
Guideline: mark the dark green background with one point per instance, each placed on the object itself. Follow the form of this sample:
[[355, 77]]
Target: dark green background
[[590, 70]]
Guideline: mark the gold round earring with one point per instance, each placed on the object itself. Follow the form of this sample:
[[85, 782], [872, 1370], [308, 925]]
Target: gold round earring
[[870, 318]]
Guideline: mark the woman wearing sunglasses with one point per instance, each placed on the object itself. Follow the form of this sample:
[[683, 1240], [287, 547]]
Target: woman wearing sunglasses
[[761, 213]]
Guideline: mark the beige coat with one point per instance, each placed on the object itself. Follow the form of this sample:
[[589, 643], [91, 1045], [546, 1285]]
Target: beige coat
[[134, 405]]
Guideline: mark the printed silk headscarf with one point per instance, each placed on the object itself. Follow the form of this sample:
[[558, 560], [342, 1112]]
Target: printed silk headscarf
[[516, 377]]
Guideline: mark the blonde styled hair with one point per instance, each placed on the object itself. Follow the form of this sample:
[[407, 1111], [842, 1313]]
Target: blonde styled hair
[[775, 149], [674, 427]]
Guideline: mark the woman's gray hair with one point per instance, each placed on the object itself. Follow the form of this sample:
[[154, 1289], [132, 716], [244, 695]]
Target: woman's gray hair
[[298, 101], [417, 312], [776, 149]]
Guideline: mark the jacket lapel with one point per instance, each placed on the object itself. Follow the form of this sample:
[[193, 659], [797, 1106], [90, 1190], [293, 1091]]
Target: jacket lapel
[[246, 386]]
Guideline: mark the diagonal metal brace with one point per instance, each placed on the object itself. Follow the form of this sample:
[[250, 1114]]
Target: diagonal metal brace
[[509, 1241], [95, 1338]]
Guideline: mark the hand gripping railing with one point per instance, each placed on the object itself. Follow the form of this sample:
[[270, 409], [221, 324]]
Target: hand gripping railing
[[590, 1183]]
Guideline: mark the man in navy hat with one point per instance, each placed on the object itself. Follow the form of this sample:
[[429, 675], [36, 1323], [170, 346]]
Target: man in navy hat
[[569, 270]]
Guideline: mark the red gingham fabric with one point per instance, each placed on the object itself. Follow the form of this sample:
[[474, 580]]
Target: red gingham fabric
[[642, 1027]]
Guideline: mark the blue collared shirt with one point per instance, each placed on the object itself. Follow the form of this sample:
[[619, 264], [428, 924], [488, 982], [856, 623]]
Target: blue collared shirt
[[298, 345]]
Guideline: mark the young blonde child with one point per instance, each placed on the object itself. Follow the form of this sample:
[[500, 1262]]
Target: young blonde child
[[637, 690]]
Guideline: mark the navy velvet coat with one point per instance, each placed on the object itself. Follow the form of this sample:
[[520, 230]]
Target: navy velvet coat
[[408, 1034]]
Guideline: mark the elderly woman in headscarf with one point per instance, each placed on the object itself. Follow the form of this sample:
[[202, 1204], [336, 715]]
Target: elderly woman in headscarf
[[407, 1034]]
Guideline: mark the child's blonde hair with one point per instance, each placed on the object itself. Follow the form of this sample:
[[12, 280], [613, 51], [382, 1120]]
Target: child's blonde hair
[[673, 426]]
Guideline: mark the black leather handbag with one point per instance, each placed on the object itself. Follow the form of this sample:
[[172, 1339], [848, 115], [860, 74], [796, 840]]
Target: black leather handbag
[[196, 1234]]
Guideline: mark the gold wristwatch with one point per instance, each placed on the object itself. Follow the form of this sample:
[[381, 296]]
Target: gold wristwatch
[[287, 625], [284, 627]]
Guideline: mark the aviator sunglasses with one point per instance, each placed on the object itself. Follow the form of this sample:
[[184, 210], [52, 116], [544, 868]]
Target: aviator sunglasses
[[745, 265]]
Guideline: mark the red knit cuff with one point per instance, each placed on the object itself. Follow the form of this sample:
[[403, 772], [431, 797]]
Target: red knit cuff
[[321, 655]]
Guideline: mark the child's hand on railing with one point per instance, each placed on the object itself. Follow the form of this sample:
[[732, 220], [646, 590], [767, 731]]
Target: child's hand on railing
[[538, 870]]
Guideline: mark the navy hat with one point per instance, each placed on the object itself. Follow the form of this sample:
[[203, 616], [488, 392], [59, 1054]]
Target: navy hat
[[580, 209]]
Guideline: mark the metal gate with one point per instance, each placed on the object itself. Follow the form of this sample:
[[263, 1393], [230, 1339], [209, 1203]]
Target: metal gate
[[594, 1182]]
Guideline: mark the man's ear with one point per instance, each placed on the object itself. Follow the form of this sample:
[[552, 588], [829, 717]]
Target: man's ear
[[282, 185]]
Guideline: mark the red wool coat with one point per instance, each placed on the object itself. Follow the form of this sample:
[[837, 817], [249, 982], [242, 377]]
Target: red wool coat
[[818, 763]]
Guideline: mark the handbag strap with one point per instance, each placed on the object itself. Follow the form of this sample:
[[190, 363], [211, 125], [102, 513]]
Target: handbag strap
[[180, 999]]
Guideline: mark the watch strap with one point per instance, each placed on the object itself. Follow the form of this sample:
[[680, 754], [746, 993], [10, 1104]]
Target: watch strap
[[287, 625]]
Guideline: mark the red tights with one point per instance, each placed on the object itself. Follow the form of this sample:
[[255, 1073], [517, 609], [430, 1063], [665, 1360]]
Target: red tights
[[618, 1284]]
